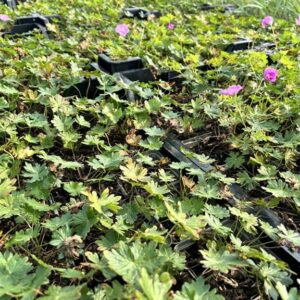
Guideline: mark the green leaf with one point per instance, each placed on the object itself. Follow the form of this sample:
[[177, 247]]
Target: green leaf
[[221, 260], [217, 211], [153, 234], [106, 161], [197, 290], [293, 179], [35, 172], [154, 288], [191, 225], [151, 143], [266, 173], [39, 180], [74, 188], [134, 172], [278, 188], [180, 165], [292, 294], [128, 260], [154, 131], [6, 187], [72, 274], [271, 275], [17, 278], [234, 160], [105, 202], [248, 221], [112, 112], [59, 162], [8, 90], [62, 293], [154, 189], [207, 191], [82, 121], [289, 235], [23, 236]]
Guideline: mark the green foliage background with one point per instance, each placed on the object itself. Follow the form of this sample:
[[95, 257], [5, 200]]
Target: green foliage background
[[88, 208]]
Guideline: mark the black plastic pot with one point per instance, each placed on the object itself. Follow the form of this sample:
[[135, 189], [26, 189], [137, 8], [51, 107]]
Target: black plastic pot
[[268, 48], [222, 8], [26, 29], [131, 70], [205, 68], [25, 25], [171, 76], [173, 148], [246, 44], [10, 3], [110, 66], [145, 75], [89, 88], [85, 88], [265, 46], [141, 75], [140, 13], [37, 19], [243, 44]]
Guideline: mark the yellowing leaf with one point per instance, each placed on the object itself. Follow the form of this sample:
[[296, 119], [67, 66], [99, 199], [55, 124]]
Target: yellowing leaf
[[105, 202], [134, 172]]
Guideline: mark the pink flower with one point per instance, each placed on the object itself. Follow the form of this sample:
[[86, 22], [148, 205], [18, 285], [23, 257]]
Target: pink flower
[[298, 21], [266, 21], [122, 29], [170, 26], [4, 18], [232, 90], [270, 74]]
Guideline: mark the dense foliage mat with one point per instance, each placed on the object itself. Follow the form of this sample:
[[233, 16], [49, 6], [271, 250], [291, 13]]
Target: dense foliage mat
[[112, 188]]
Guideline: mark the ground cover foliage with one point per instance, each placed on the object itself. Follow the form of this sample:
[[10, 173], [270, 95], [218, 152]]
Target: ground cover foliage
[[89, 209]]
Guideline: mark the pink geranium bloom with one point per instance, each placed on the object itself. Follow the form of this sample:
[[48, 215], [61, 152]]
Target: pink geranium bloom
[[232, 90], [270, 74], [170, 26], [298, 21], [122, 29], [4, 18], [267, 21]]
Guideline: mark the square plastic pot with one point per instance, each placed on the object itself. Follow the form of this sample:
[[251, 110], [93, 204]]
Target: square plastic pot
[[85, 88], [26, 29], [243, 44], [141, 75], [222, 8], [140, 13], [37, 19], [25, 25], [10, 3], [110, 66]]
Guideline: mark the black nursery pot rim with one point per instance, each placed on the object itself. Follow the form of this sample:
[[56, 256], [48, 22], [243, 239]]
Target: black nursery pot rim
[[110, 66], [25, 25], [140, 75], [37, 19], [26, 29], [223, 8], [239, 45], [139, 12], [129, 59], [10, 3]]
